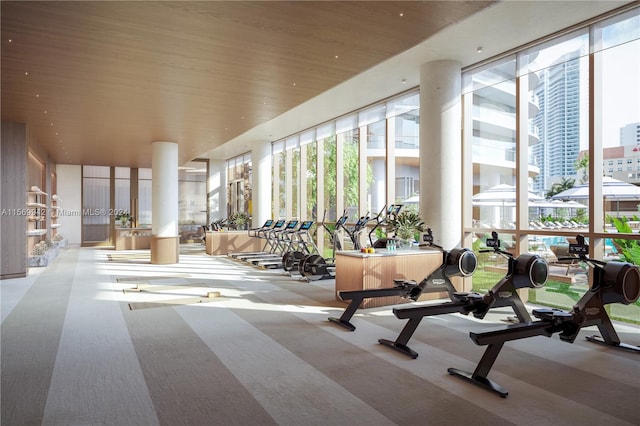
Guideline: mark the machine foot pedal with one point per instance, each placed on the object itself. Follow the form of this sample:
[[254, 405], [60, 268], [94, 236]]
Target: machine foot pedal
[[483, 382], [403, 349], [343, 323]]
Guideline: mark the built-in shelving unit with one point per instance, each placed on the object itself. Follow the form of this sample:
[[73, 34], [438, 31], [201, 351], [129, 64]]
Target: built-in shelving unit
[[36, 212], [55, 210]]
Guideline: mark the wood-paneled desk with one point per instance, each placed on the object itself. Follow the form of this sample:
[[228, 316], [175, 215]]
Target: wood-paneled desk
[[133, 238], [225, 242], [364, 271]]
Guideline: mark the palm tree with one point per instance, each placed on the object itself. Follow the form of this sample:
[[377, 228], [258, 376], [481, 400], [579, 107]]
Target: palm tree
[[563, 185], [582, 163]]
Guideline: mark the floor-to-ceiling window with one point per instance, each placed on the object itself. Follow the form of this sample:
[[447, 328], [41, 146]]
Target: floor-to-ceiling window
[[342, 165], [239, 192], [404, 124], [373, 128], [144, 197], [278, 180], [122, 204], [555, 154], [96, 205], [490, 102], [192, 200], [308, 176], [347, 140]]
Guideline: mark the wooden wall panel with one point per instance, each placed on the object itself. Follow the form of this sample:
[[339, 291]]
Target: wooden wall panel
[[13, 200]]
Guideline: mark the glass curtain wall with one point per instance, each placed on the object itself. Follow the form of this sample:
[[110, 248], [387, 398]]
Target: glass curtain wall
[[549, 128], [144, 198], [96, 205], [123, 196], [617, 64], [239, 192], [490, 102], [308, 176], [192, 200], [373, 131], [278, 180], [342, 165], [347, 148], [404, 124]]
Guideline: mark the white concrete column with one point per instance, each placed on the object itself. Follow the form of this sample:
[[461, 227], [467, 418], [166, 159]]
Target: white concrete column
[[261, 184], [441, 151], [164, 205]]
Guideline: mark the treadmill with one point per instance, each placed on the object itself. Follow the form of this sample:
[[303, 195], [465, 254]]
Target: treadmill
[[269, 246], [258, 233], [279, 244]]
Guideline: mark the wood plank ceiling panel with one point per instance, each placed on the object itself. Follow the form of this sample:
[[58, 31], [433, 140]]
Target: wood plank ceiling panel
[[97, 82]]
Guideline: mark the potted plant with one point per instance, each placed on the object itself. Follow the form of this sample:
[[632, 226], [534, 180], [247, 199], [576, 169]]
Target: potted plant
[[240, 220], [124, 219], [406, 226]]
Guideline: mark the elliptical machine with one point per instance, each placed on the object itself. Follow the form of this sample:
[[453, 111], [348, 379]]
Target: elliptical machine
[[459, 262], [381, 222], [314, 266], [356, 230], [527, 270], [613, 282]]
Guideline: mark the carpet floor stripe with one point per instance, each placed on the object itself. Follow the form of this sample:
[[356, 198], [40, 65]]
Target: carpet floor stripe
[[97, 379], [524, 391], [290, 389], [188, 384], [30, 340]]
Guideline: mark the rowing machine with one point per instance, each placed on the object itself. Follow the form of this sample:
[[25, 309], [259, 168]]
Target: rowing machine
[[613, 282], [527, 270], [458, 262]]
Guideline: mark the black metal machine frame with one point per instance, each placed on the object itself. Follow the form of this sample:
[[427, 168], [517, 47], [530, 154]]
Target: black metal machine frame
[[523, 271], [436, 282], [613, 282]]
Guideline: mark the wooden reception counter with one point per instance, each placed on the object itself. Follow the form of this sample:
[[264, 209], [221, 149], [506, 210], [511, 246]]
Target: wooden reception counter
[[225, 242], [133, 238], [365, 271]]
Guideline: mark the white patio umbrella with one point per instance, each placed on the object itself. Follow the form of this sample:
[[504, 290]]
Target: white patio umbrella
[[612, 189], [501, 193], [501, 196]]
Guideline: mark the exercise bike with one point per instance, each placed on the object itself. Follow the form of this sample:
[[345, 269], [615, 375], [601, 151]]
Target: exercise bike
[[613, 282], [459, 262], [527, 270]]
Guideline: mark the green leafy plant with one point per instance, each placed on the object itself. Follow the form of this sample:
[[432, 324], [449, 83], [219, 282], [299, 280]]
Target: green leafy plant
[[407, 225], [629, 250], [124, 219], [239, 220]]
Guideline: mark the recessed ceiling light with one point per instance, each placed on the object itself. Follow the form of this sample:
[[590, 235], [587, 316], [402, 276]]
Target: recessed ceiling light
[[51, 124], [401, 14], [479, 49], [404, 81], [294, 83], [10, 41], [26, 73], [37, 95], [45, 111], [336, 56]]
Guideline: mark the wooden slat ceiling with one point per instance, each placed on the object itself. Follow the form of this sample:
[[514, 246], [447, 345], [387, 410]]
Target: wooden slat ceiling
[[97, 82]]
